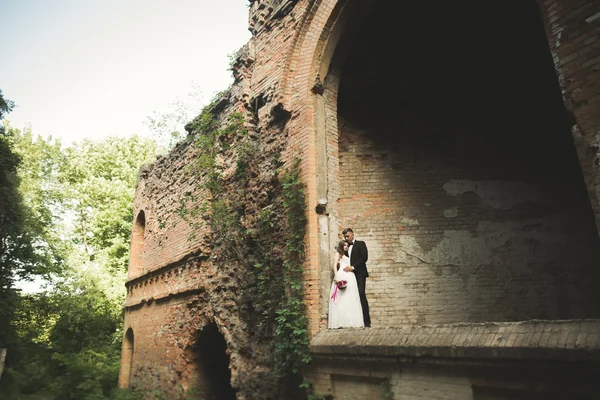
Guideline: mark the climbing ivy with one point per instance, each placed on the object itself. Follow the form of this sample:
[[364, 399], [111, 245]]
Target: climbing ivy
[[291, 338], [210, 137], [269, 248]]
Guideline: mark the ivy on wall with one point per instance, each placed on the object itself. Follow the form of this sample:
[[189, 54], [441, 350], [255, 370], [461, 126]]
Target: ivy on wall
[[264, 242], [291, 337]]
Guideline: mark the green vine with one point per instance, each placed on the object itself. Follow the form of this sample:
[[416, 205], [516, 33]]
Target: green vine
[[266, 242], [209, 139], [291, 337]]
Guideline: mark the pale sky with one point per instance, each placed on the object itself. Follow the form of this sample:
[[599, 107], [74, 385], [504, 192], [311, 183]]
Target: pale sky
[[89, 68]]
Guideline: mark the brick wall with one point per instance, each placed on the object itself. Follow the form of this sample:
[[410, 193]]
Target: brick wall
[[573, 29], [350, 380], [361, 379], [162, 313], [170, 195], [167, 311], [163, 188], [448, 242], [136, 252], [159, 361], [465, 216]]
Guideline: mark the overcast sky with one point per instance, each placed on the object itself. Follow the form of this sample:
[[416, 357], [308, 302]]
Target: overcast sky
[[89, 68]]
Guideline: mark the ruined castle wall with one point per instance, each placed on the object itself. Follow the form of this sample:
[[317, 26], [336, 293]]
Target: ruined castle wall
[[162, 310], [180, 291], [170, 195], [159, 361], [162, 291], [413, 190]]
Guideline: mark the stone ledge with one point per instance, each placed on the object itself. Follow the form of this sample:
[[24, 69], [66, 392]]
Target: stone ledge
[[564, 340], [162, 297]]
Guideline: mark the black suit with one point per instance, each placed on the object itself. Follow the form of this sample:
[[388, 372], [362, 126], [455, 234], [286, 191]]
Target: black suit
[[358, 259]]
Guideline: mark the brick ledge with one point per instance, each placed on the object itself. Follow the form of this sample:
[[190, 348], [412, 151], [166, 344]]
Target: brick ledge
[[565, 340]]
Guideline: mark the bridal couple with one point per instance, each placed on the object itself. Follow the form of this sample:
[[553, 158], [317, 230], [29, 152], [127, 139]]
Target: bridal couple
[[348, 306]]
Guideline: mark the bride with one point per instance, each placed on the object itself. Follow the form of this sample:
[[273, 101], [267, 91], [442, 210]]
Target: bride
[[344, 303]]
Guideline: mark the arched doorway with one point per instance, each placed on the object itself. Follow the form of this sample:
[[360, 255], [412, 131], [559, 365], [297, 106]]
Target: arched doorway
[[211, 377]]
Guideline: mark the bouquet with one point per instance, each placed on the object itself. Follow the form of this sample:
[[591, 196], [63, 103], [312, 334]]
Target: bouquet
[[339, 285]]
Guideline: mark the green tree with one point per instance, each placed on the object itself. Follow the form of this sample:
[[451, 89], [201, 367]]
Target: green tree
[[98, 181], [11, 225], [99, 184], [168, 128], [40, 186], [20, 254], [85, 337], [78, 201], [24, 248], [29, 247]]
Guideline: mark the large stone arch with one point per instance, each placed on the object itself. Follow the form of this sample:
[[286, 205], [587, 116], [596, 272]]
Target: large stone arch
[[311, 89]]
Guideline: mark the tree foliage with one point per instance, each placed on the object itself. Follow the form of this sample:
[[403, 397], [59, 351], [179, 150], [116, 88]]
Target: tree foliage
[[66, 215], [99, 183], [168, 128], [23, 249], [11, 226]]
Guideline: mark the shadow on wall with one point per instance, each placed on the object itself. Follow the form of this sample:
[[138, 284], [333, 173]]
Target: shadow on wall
[[458, 168]]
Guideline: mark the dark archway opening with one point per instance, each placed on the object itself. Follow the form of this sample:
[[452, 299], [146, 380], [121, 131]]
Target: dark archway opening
[[213, 380], [458, 167]]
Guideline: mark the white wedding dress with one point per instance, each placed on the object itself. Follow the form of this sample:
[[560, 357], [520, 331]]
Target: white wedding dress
[[345, 310]]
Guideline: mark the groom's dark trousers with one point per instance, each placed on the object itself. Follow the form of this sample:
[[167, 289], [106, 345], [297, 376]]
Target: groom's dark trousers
[[358, 259]]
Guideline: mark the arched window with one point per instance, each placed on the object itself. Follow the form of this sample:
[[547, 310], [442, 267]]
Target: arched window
[[126, 359], [137, 246]]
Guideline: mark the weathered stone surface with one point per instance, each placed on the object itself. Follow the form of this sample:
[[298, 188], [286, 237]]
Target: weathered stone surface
[[264, 13]]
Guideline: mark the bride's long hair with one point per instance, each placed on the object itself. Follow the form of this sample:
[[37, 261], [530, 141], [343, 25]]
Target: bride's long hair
[[340, 248]]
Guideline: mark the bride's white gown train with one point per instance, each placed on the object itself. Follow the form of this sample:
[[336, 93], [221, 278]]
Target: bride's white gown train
[[345, 310]]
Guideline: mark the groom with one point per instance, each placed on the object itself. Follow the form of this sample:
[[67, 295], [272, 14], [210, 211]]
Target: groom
[[357, 251]]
